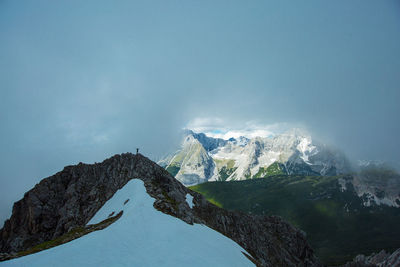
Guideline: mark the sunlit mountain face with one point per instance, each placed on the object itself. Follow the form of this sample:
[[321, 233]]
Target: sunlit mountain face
[[257, 153]]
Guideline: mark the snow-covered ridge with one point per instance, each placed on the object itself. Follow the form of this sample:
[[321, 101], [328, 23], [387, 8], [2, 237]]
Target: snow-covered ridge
[[143, 236]]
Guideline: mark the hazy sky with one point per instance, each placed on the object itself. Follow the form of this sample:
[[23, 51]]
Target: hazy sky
[[83, 80]]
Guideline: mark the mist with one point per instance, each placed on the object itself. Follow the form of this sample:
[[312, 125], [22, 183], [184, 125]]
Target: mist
[[82, 81]]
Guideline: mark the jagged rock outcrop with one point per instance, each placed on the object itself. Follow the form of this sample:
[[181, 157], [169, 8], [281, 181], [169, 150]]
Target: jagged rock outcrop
[[71, 197], [381, 259]]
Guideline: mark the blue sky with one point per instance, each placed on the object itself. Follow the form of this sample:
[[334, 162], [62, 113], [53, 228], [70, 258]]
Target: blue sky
[[83, 80]]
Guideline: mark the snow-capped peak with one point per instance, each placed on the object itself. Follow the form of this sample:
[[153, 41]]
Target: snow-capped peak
[[306, 149]]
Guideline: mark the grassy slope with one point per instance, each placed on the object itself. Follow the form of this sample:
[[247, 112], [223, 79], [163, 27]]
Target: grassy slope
[[337, 225], [273, 169]]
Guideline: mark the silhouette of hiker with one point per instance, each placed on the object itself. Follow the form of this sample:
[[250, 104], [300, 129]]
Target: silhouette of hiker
[[137, 150]]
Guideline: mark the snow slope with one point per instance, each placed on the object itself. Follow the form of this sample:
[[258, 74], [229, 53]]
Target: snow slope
[[143, 236]]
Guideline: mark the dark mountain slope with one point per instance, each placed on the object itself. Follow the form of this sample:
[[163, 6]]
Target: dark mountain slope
[[70, 198]]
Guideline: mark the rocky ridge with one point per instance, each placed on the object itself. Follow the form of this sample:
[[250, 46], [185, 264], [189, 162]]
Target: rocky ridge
[[381, 259], [70, 198]]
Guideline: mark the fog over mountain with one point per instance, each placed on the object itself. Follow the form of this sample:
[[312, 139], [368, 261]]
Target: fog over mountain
[[81, 81]]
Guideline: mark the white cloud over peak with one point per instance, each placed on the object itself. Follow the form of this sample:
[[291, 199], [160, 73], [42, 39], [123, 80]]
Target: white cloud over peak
[[220, 128]]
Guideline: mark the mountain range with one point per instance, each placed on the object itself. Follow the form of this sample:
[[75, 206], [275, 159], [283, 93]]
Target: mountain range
[[338, 203], [202, 158], [225, 215]]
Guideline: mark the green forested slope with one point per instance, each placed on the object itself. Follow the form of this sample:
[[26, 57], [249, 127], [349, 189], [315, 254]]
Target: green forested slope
[[337, 225]]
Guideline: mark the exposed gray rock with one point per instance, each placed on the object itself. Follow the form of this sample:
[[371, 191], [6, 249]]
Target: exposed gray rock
[[377, 186], [208, 143], [381, 259], [71, 197]]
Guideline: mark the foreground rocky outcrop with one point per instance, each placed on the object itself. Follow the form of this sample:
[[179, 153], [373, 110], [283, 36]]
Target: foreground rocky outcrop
[[70, 198], [381, 259]]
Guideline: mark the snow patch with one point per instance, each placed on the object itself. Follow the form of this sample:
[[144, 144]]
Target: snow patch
[[342, 182], [306, 149], [189, 200]]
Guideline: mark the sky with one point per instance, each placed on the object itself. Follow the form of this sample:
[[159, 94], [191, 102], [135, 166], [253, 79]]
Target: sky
[[83, 80]]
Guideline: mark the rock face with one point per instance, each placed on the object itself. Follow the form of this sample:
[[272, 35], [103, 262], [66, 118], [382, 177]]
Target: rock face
[[71, 197], [192, 164], [381, 259], [378, 185]]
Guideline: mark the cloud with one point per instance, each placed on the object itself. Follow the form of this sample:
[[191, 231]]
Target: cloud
[[205, 124], [221, 128]]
